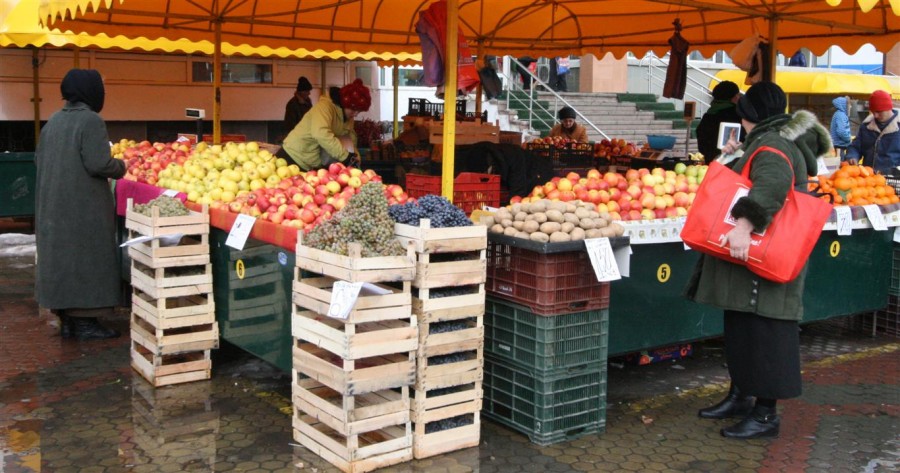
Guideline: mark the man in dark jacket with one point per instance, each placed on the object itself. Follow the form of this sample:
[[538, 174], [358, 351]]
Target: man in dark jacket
[[877, 142], [722, 110], [77, 269], [298, 105]]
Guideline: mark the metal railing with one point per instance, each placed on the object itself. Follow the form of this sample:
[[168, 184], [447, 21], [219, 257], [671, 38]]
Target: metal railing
[[531, 104], [695, 90]]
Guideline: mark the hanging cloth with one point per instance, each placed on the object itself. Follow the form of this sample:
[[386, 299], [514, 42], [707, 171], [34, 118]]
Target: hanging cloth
[[676, 73], [432, 31]]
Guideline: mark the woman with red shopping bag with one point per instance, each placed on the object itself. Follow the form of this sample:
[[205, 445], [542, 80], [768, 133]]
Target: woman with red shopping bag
[[762, 345]]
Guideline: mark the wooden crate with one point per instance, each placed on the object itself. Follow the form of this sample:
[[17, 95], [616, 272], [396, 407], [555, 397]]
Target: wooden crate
[[430, 407], [465, 349], [195, 223], [433, 272], [314, 294], [174, 312], [355, 268], [162, 370], [354, 341], [350, 415], [425, 304], [442, 240], [160, 341], [161, 283], [355, 453], [467, 133], [352, 377], [190, 251]]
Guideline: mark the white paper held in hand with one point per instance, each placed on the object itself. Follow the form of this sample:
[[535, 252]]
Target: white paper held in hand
[[343, 298], [876, 218], [240, 231], [844, 220], [602, 259]]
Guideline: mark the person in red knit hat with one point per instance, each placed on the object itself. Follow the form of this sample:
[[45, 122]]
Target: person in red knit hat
[[325, 134], [877, 142]]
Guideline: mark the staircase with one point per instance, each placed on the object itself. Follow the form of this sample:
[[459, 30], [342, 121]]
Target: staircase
[[627, 116]]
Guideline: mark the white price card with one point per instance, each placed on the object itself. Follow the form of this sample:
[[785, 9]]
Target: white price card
[[876, 218], [343, 298], [240, 231], [164, 240], [844, 219], [170, 192], [602, 258], [623, 260], [821, 167], [897, 235]]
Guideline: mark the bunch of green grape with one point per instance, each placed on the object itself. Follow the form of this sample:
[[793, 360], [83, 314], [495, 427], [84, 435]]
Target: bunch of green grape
[[365, 220], [168, 207]]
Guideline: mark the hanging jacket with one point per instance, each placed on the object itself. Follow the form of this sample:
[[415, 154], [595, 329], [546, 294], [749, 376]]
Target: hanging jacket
[[840, 123], [877, 144]]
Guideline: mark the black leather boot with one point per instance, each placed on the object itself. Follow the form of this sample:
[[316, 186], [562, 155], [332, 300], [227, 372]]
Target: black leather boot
[[735, 404], [762, 423], [65, 325], [88, 328]]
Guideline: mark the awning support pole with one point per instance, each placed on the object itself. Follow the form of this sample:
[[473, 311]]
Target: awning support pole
[[450, 81], [395, 75], [217, 86]]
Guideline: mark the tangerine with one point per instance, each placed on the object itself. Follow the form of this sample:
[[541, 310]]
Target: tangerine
[[843, 183]]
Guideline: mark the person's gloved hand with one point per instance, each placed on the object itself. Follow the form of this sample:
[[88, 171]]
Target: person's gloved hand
[[352, 160]]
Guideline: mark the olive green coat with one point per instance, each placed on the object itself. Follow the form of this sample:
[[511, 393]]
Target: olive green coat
[[77, 260], [318, 133], [733, 287]]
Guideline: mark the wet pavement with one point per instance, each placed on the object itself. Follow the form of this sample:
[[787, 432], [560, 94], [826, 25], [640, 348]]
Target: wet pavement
[[68, 406]]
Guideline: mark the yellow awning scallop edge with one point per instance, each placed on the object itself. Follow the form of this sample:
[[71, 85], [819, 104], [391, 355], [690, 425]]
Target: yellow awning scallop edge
[[820, 81], [51, 10]]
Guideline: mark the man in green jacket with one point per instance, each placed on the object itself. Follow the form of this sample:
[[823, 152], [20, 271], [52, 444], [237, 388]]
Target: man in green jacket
[[325, 134]]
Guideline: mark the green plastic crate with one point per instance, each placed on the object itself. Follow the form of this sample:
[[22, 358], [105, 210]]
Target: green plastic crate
[[547, 345], [894, 290], [548, 409]]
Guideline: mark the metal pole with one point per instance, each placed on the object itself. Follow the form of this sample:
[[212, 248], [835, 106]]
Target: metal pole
[[36, 94], [450, 71], [217, 86], [773, 46], [396, 81]]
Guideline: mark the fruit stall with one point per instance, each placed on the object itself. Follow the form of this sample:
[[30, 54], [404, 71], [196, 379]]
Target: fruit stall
[[17, 181]]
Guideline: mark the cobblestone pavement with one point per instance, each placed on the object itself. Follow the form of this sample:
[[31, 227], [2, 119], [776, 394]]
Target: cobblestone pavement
[[67, 406]]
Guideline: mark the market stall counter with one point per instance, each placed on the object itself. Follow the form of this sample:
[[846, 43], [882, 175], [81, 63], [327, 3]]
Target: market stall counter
[[17, 182]]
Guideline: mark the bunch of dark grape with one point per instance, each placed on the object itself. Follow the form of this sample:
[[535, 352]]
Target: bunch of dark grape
[[447, 326], [168, 207], [365, 220], [451, 423], [448, 358], [438, 209]]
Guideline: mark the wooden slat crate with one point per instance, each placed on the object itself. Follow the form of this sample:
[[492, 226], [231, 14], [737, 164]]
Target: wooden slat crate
[[190, 250], [355, 453], [352, 377], [355, 268], [172, 341], [424, 303], [162, 370], [161, 283], [350, 415], [432, 408], [196, 223], [174, 312], [450, 359], [353, 341], [314, 294], [442, 240], [467, 133]]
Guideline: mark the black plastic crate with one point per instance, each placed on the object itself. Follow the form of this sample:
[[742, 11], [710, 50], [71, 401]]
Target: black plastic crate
[[546, 345], [548, 409]]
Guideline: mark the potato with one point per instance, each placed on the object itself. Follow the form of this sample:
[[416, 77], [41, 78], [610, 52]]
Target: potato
[[556, 205], [550, 227], [529, 218], [488, 221], [503, 214], [582, 212], [518, 225], [567, 227], [619, 229], [497, 228], [570, 207], [586, 223], [522, 235], [510, 231], [571, 218], [541, 237], [520, 216], [601, 223], [540, 217], [594, 214], [577, 234], [531, 226], [515, 208], [592, 233], [538, 207], [525, 207], [560, 236], [608, 232], [506, 223], [555, 216]]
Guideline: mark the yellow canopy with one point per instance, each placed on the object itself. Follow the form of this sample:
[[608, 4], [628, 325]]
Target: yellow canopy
[[819, 81]]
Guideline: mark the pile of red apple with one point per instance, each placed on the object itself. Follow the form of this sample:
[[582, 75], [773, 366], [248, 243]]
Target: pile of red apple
[[305, 200], [615, 147], [144, 160], [556, 141], [639, 194]]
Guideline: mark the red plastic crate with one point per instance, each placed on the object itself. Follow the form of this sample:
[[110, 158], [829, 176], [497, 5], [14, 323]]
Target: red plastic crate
[[471, 190], [548, 284]]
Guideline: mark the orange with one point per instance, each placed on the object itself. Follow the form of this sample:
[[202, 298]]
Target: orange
[[853, 171], [843, 183]]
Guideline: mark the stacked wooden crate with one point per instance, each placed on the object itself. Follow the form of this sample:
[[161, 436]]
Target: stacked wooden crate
[[351, 377], [448, 303], [173, 322]]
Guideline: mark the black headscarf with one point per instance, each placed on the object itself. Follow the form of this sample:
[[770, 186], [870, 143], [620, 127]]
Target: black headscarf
[[84, 85]]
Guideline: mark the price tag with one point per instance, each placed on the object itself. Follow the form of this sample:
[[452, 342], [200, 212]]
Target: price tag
[[844, 219], [876, 218], [821, 167], [164, 240], [897, 235], [170, 192], [343, 298], [623, 260], [240, 231], [602, 259]]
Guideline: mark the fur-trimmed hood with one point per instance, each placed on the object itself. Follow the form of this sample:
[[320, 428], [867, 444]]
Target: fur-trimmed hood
[[893, 125], [803, 129]]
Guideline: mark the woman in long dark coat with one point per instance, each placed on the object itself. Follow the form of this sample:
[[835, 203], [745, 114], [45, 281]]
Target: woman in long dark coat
[[77, 270]]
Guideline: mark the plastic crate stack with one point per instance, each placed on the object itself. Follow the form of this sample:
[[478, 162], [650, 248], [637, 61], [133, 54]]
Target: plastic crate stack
[[471, 190], [167, 423], [351, 377], [887, 320], [173, 320], [448, 303], [546, 343], [571, 157]]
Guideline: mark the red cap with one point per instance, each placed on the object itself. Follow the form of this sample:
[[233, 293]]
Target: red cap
[[355, 96], [880, 101]]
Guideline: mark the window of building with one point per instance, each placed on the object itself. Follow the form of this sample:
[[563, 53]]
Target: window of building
[[232, 72]]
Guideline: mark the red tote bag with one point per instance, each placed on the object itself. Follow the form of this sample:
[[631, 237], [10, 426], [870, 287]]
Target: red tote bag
[[778, 253]]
